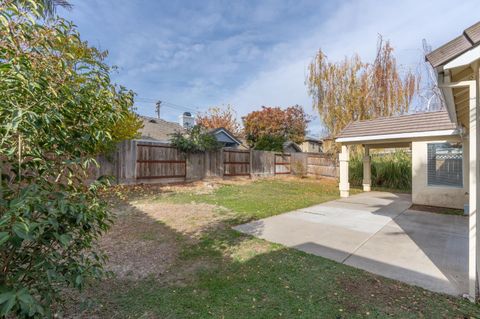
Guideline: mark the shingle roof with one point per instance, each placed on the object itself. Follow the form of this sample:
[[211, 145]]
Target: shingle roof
[[294, 145], [313, 139], [158, 129], [234, 138], [455, 47], [410, 123]]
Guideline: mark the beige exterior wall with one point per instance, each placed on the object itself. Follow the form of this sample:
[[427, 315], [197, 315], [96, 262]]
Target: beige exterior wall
[[442, 196], [310, 147]]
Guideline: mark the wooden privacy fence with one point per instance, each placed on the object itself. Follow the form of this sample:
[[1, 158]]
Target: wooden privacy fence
[[321, 165], [154, 162], [283, 164], [160, 161], [236, 163]]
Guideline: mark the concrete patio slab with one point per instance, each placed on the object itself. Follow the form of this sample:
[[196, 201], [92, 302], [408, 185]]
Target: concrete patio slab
[[376, 232]]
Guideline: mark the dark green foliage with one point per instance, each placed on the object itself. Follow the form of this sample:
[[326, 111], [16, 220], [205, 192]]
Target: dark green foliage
[[195, 140], [270, 143], [389, 171], [58, 110]]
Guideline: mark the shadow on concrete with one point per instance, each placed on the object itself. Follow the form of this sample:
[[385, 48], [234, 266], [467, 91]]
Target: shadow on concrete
[[424, 249]]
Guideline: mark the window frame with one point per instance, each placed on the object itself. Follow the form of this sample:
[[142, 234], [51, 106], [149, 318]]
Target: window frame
[[462, 179]]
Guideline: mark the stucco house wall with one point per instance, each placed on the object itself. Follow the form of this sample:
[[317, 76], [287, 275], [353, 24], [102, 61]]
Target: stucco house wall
[[434, 195], [311, 147]]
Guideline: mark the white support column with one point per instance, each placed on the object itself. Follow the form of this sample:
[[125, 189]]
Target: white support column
[[344, 185], [475, 99], [367, 170], [473, 193]]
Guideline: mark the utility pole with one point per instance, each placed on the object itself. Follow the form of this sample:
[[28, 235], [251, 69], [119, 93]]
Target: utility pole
[[157, 108]]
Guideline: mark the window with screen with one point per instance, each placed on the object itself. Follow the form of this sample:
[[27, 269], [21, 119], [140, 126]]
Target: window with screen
[[445, 162]]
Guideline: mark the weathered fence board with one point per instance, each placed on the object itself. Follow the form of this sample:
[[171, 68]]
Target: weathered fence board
[[321, 165], [195, 167], [263, 163], [154, 162], [236, 163], [282, 164], [299, 164], [213, 164]]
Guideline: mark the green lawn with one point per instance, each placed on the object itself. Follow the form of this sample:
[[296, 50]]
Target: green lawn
[[263, 198], [217, 272]]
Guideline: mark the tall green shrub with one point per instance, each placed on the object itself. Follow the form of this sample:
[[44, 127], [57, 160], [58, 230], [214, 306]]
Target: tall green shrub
[[194, 140], [58, 110], [392, 170]]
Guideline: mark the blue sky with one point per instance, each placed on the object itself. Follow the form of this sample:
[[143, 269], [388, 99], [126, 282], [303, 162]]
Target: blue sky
[[196, 54]]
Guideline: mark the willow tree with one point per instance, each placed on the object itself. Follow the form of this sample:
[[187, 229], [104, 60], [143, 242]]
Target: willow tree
[[352, 90]]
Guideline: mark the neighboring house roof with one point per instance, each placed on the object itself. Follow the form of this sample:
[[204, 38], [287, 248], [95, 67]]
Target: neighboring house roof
[[292, 145], [411, 123], [158, 129], [469, 39], [224, 135], [313, 140]]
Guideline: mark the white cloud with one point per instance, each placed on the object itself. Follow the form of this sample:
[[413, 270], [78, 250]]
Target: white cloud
[[352, 28], [248, 54]]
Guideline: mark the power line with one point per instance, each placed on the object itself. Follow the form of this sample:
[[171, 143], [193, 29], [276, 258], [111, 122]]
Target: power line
[[165, 103], [185, 107]]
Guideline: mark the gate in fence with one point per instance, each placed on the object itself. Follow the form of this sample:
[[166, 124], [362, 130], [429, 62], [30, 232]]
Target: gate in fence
[[236, 163], [142, 161], [155, 161], [283, 164]]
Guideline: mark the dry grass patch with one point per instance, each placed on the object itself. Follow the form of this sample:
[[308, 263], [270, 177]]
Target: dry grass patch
[[137, 247], [189, 220], [250, 248], [147, 238]]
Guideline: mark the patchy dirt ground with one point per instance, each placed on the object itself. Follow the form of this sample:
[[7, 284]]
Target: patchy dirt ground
[[190, 220], [144, 241]]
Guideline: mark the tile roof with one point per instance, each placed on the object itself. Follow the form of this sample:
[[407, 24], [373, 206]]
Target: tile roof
[[450, 50], [409, 123], [158, 129]]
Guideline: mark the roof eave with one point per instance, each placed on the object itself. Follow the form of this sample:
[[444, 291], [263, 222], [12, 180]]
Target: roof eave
[[398, 136], [227, 132]]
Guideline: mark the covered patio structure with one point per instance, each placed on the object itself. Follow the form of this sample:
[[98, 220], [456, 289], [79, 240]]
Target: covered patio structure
[[436, 148]]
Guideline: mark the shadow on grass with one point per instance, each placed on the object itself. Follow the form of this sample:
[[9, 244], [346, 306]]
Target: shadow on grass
[[213, 271]]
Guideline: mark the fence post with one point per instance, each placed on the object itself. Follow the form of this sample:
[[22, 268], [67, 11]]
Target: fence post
[[134, 160], [222, 165], [250, 165]]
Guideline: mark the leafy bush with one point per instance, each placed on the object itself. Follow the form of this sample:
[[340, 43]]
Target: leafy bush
[[299, 169], [194, 140], [390, 170], [270, 143], [58, 111]]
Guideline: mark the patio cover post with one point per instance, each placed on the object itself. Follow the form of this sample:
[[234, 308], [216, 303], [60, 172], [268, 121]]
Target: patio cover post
[[473, 178], [367, 170], [473, 190], [344, 186]]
